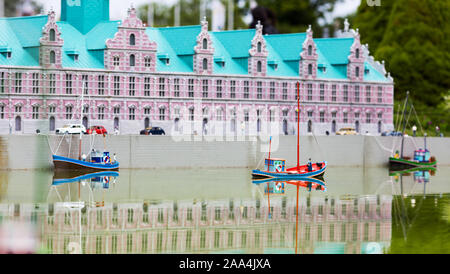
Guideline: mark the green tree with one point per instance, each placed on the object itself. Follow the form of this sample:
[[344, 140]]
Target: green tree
[[12, 6], [189, 13], [413, 36], [295, 15]]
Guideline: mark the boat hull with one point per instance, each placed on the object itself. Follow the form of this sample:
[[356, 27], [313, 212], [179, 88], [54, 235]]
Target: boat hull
[[63, 163], [292, 173], [396, 164]]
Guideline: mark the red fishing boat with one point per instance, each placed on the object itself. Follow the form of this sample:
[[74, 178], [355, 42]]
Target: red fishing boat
[[276, 168]]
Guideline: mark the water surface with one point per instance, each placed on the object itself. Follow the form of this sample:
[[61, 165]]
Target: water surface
[[223, 211]]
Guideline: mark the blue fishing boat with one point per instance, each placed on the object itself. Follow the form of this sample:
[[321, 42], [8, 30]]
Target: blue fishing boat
[[96, 162]]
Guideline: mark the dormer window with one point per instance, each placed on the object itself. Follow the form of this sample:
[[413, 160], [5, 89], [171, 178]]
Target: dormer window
[[164, 57], [132, 60], [75, 57], [205, 64], [9, 55], [310, 69], [259, 47], [220, 61], [205, 43], [309, 50], [357, 54], [52, 35], [357, 72], [132, 40], [259, 66]]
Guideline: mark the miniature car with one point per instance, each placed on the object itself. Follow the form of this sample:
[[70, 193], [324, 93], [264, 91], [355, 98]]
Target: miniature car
[[71, 129], [153, 131], [347, 131], [391, 133], [97, 129]]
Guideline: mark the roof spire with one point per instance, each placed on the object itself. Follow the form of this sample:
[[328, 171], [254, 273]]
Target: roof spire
[[204, 24], [346, 25]]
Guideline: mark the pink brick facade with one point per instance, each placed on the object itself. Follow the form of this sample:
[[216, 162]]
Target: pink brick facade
[[130, 93]]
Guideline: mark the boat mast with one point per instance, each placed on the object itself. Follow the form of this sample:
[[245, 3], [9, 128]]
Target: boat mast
[[298, 125], [270, 147], [81, 118], [404, 124]]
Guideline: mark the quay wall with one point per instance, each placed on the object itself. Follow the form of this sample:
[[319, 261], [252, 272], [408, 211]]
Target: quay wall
[[23, 152]]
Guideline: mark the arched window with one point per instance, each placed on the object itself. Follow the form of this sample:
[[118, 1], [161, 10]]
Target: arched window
[[18, 123], [116, 123], [52, 57], [259, 47], [357, 72], [132, 40], [259, 66], [52, 35], [309, 50], [310, 69], [205, 43], [205, 64], [132, 60], [357, 53], [52, 124]]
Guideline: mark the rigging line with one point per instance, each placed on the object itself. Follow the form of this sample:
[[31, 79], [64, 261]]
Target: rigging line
[[417, 118], [70, 145], [318, 145], [398, 116], [403, 111], [383, 147], [62, 139], [414, 142], [409, 115]]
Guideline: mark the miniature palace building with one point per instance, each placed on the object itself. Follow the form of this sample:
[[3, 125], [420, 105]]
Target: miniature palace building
[[187, 80]]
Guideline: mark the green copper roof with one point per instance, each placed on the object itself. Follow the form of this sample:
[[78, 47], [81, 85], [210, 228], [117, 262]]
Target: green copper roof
[[288, 46], [74, 41], [24, 50], [335, 50], [237, 42], [96, 38], [181, 39], [28, 30], [175, 51], [176, 63]]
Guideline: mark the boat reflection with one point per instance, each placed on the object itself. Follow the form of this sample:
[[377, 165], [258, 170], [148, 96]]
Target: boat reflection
[[96, 180], [275, 186], [63, 182]]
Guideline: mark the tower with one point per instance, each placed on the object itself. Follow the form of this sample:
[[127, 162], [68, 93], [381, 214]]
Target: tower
[[84, 14]]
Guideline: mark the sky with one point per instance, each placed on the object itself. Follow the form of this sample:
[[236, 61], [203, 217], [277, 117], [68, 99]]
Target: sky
[[118, 8]]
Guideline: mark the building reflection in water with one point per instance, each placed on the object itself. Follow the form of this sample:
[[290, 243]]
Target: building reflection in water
[[77, 223]]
